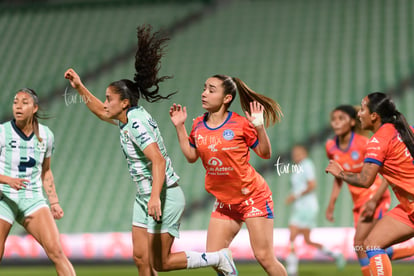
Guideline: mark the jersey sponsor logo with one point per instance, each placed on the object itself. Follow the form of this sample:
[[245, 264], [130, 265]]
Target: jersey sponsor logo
[[355, 155], [152, 123], [228, 134], [135, 125], [12, 144], [214, 161], [212, 147], [216, 167], [230, 148], [374, 140]]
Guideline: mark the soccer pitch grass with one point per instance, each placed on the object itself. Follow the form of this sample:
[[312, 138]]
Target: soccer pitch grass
[[253, 269]]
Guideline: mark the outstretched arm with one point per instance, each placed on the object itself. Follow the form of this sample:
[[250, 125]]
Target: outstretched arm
[[49, 187], [93, 103], [178, 115], [263, 149], [363, 179]]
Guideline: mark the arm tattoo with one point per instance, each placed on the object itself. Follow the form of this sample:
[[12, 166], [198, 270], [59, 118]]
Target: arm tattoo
[[363, 179]]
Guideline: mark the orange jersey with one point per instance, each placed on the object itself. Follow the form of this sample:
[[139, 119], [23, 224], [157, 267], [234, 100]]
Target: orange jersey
[[225, 154], [352, 159], [387, 150]]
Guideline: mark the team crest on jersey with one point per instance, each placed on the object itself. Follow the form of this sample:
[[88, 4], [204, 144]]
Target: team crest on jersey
[[354, 155], [125, 136], [41, 146], [228, 134]]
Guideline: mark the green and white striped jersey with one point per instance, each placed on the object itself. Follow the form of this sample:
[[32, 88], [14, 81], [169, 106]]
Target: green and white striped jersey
[[141, 131], [22, 156]]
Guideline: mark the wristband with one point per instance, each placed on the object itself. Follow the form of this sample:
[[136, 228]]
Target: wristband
[[258, 119], [57, 202]]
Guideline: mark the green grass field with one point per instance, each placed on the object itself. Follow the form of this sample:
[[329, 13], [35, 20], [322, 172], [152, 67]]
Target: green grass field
[[305, 269]]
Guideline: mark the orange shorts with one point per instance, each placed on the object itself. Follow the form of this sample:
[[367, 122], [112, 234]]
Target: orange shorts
[[400, 214], [255, 206], [382, 208]]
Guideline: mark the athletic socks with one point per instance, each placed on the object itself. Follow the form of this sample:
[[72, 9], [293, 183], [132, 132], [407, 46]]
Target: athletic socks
[[399, 252], [197, 259], [365, 269], [379, 262]]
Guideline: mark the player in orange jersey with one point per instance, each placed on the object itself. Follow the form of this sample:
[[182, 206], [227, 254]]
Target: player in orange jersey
[[348, 149], [222, 138], [389, 152]]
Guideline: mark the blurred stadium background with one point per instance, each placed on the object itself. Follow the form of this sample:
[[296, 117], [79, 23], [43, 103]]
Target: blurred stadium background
[[309, 55]]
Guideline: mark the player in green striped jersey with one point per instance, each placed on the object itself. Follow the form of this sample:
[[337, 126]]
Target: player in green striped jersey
[[25, 153], [159, 202]]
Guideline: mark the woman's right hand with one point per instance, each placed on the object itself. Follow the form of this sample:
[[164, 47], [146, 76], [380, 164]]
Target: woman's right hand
[[178, 114], [17, 183], [73, 78]]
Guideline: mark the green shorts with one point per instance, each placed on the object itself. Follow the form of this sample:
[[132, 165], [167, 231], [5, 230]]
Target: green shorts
[[12, 210], [304, 217], [172, 208]]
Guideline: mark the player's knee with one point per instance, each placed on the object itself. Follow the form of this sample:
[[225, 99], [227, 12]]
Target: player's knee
[[140, 260], [264, 258], [55, 253]]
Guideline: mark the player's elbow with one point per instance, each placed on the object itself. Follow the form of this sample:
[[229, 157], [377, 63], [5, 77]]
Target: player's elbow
[[191, 159]]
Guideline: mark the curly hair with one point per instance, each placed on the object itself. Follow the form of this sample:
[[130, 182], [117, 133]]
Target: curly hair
[[146, 81]]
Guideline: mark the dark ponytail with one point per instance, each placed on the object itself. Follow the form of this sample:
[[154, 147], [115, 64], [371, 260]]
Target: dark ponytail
[[385, 108], [148, 56]]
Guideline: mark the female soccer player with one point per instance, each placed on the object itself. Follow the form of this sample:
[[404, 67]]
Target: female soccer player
[[159, 201], [348, 148], [222, 138], [25, 156], [305, 208], [390, 152]]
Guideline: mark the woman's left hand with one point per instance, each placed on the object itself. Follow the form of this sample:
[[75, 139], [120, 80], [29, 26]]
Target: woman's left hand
[[154, 208], [256, 114], [57, 211]]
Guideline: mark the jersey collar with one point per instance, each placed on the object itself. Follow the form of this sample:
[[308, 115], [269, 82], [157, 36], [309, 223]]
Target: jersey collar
[[225, 121], [21, 133], [349, 144]]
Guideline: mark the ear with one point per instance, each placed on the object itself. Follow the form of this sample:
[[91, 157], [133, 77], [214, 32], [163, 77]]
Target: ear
[[35, 109], [374, 116], [125, 103], [227, 98], [353, 122]]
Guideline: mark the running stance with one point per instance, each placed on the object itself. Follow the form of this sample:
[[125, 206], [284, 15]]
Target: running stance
[[389, 152], [159, 201], [221, 139], [25, 156], [348, 148]]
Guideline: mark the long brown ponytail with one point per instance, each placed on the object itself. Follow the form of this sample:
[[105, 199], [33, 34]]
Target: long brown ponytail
[[272, 111]]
